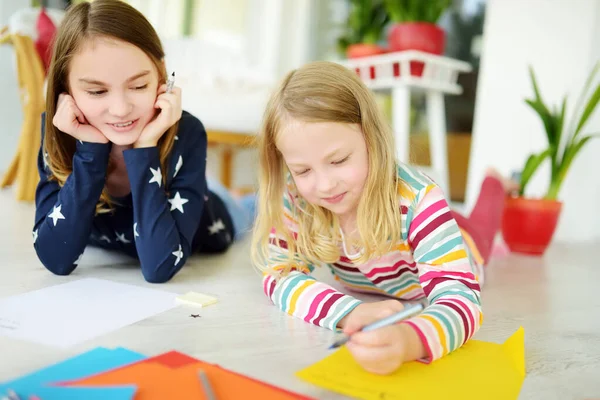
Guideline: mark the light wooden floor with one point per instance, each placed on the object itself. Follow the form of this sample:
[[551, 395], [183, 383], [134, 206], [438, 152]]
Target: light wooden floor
[[555, 299]]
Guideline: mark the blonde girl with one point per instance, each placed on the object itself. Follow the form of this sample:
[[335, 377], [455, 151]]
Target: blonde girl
[[332, 193]]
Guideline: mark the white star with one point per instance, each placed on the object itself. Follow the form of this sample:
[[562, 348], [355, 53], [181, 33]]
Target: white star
[[177, 202], [156, 176], [216, 226], [178, 166], [35, 235], [121, 238], [76, 262], [104, 237], [135, 232], [178, 255], [55, 214], [45, 159], [176, 137]]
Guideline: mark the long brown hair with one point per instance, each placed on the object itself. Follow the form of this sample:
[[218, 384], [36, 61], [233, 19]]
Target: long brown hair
[[325, 92], [86, 21]]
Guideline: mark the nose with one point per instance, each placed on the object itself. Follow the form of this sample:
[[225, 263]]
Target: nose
[[325, 183], [120, 105]]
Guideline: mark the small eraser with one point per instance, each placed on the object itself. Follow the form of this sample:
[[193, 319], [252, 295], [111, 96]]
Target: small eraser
[[197, 299]]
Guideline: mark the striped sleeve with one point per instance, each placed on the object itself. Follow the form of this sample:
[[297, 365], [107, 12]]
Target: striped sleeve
[[446, 275], [298, 293]]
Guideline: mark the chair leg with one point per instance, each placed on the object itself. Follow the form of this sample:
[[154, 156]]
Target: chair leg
[[436, 116], [401, 122], [226, 167], [11, 173]]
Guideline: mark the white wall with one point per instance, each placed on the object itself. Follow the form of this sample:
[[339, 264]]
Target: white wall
[[559, 38]]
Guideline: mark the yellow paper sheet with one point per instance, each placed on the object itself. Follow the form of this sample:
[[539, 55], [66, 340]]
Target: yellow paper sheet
[[197, 299], [478, 370]]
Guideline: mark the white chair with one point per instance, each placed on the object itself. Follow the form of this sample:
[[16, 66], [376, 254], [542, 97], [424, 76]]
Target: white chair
[[221, 88]]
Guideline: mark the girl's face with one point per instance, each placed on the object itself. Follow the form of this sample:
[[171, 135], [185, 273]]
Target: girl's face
[[115, 86], [329, 163]]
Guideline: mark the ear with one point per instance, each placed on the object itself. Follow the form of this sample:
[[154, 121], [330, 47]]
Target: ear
[[164, 74]]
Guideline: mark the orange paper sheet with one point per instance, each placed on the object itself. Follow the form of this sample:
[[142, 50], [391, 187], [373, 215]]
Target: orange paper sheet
[[174, 375]]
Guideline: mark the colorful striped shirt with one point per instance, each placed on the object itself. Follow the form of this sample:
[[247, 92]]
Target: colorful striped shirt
[[433, 258]]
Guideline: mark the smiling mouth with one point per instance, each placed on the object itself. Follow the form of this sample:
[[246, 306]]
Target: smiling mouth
[[123, 124], [335, 199]]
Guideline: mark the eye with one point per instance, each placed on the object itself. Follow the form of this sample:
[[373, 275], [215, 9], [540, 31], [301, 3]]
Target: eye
[[95, 92], [343, 160], [303, 172], [142, 87]]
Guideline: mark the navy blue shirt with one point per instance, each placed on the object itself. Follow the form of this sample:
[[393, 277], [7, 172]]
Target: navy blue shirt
[[154, 223]]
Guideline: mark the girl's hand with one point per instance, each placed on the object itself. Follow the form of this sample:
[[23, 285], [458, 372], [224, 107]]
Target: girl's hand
[[381, 351], [367, 313], [69, 119], [170, 112]]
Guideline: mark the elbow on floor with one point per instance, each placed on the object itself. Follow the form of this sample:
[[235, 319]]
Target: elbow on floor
[[59, 269], [157, 276]]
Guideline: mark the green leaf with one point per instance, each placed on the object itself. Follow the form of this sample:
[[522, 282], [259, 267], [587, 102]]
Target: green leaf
[[534, 84], [532, 164], [589, 109], [401, 11], [547, 120], [365, 24], [584, 94], [571, 152], [560, 121]]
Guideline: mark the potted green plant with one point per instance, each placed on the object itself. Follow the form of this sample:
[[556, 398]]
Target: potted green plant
[[415, 25], [528, 224], [363, 29]]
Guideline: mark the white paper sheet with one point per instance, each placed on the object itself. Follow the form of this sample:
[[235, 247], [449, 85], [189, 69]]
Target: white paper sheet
[[74, 312]]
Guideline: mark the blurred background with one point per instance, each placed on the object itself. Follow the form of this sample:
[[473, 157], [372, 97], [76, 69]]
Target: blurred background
[[229, 54]]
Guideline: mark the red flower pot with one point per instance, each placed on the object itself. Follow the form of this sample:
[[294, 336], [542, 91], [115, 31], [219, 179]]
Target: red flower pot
[[528, 225], [363, 50], [421, 36]]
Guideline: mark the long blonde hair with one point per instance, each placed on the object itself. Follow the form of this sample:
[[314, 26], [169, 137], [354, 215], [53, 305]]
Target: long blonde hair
[[325, 92], [86, 21]]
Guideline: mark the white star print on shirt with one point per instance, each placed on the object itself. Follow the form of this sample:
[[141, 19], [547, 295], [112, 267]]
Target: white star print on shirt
[[216, 226], [178, 255], [35, 235], [121, 238], [135, 232], [156, 176], [177, 202], [178, 166], [104, 237], [45, 159], [56, 214]]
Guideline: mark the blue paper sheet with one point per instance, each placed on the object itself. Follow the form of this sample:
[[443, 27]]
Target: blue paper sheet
[[87, 393], [92, 362]]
